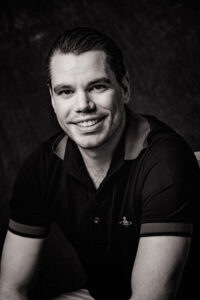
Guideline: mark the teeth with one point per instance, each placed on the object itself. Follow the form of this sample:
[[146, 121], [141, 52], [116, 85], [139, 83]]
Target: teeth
[[87, 123]]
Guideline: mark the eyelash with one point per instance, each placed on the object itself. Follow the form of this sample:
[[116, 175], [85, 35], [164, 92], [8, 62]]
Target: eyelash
[[64, 92], [98, 86], [95, 87]]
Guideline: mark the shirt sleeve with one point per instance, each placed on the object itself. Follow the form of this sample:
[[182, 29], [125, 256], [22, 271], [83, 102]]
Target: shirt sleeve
[[28, 210], [170, 190]]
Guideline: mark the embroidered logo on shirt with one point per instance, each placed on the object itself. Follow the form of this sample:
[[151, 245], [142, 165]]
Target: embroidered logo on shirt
[[125, 222]]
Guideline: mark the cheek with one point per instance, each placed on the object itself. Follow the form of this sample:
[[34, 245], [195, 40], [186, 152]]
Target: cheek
[[62, 109], [117, 105], [110, 101]]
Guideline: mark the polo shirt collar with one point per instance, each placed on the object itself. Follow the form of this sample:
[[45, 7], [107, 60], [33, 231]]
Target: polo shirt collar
[[136, 132]]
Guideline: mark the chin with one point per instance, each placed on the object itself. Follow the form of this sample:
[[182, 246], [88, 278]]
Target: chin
[[89, 144]]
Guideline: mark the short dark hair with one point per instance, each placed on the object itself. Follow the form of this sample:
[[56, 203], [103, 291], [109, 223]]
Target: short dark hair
[[82, 39]]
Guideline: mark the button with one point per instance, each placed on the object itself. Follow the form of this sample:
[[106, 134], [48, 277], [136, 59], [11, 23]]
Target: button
[[96, 220]]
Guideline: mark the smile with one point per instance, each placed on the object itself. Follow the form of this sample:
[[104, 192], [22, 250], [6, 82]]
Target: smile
[[88, 123]]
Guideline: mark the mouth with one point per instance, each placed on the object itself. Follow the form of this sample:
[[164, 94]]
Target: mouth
[[89, 123]]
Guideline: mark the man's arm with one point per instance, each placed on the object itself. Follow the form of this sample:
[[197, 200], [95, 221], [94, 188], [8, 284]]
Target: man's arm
[[158, 267], [18, 264]]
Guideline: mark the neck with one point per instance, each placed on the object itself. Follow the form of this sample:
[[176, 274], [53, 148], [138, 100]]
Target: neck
[[98, 158]]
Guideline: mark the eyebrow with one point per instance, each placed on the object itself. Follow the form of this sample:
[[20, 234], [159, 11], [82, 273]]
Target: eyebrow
[[100, 80], [62, 86], [68, 86]]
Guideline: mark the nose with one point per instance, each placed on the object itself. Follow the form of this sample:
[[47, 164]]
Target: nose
[[84, 103]]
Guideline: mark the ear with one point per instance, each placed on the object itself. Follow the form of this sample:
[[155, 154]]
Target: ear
[[51, 95], [126, 87]]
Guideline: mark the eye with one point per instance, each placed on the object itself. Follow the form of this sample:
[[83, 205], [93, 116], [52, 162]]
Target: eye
[[98, 88], [65, 92]]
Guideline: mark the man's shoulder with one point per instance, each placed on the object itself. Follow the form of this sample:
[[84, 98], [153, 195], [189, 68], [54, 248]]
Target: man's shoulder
[[147, 132], [166, 146], [138, 123], [159, 126], [161, 133], [45, 151], [157, 139]]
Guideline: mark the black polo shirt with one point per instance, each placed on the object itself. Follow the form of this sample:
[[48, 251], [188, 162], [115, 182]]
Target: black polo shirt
[[150, 189]]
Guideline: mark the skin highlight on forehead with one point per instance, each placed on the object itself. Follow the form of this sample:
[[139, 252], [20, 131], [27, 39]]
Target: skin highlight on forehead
[[97, 64], [73, 66]]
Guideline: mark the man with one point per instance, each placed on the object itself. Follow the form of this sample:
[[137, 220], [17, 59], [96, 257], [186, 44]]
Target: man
[[121, 186]]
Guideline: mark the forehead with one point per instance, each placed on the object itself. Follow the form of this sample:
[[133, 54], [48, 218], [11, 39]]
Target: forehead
[[86, 64]]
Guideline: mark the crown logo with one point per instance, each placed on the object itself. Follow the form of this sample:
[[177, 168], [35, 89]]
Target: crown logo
[[124, 222]]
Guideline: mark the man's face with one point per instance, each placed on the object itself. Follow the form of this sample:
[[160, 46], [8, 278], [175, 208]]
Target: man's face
[[86, 97]]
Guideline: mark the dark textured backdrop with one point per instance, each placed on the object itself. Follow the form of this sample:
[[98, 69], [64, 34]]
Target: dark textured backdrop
[[160, 40]]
